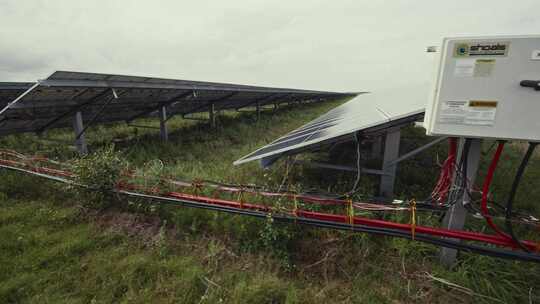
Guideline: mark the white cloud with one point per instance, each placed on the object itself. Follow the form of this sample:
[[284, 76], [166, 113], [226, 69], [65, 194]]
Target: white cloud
[[345, 45]]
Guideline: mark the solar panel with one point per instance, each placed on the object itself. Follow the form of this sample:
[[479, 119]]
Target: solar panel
[[11, 90], [104, 98], [365, 112]]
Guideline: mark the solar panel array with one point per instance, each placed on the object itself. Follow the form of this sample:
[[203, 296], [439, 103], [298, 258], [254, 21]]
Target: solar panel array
[[11, 90], [104, 98], [364, 113]]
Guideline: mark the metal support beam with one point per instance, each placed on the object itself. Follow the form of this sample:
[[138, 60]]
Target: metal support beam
[[265, 99], [339, 167], [416, 151], [98, 114], [206, 105], [74, 110], [161, 104], [80, 141], [14, 102], [212, 115], [163, 123], [391, 152], [456, 215]]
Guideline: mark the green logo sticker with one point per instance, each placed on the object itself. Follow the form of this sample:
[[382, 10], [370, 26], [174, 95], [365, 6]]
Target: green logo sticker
[[482, 48], [462, 50]]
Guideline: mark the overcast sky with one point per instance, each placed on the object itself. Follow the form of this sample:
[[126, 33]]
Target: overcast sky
[[349, 45]]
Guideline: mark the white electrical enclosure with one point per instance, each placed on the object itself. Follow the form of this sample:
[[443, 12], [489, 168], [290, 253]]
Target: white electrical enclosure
[[487, 87]]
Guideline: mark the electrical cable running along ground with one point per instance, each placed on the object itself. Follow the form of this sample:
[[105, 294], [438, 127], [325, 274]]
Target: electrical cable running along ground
[[489, 251], [425, 234], [513, 190], [374, 204]]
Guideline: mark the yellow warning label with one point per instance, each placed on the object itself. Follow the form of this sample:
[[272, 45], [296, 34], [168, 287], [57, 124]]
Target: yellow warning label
[[483, 103]]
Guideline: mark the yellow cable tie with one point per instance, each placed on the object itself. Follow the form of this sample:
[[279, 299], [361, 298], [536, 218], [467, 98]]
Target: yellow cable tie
[[350, 211], [241, 198], [295, 201], [413, 218]]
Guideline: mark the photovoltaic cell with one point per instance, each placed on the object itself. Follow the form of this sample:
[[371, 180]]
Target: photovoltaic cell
[[364, 112], [52, 102]]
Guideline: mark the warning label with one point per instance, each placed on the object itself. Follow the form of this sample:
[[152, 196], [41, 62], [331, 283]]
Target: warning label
[[474, 67], [484, 67], [481, 112], [473, 112]]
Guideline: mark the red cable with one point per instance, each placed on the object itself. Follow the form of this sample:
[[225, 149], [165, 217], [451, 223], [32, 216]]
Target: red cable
[[442, 187], [485, 191], [449, 166], [459, 234]]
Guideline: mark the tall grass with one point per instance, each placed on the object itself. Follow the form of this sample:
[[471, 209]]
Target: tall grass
[[52, 250]]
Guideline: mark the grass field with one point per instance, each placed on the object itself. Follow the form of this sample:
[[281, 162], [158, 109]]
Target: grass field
[[53, 250]]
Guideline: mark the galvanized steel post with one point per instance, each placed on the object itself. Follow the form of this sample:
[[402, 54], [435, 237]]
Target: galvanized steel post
[[212, 115], [456, 214], [80, 142], [391, 152], [163, 123]]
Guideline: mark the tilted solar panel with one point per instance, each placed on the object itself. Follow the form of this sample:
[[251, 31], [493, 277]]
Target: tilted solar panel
[[11, 90], [364, 112], [103, 98]]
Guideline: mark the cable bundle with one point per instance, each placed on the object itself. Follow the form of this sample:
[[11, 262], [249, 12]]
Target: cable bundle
[[442, 188]]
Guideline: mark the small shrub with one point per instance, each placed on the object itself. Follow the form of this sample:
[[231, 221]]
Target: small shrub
[[276, 239], [100, 171]]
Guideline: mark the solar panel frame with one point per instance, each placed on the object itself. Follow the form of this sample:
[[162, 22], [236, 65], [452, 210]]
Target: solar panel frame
[[365, 113], [49, 102]]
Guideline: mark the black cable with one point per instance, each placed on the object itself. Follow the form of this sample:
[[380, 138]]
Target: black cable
[[443, 242], [513, 190], [464, 167], [461, 179]]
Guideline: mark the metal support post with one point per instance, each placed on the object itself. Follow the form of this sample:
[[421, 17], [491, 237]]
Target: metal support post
[[80, 141], [163, 123], [212, 115], [376, 147], [391, 152], [456, 214]]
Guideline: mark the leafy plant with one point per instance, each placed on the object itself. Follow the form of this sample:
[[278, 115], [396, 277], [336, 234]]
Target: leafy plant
[[99, 173]]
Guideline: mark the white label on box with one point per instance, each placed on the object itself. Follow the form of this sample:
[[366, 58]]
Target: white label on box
[[464, 67], [474, 112], [453, 112], [481, 112], [484, 67]]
